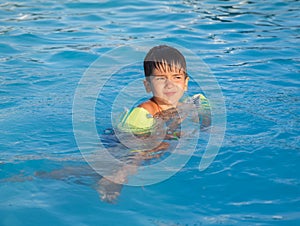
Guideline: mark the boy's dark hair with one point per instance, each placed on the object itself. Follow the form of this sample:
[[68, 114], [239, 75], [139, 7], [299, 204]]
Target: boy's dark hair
[[163, 55]]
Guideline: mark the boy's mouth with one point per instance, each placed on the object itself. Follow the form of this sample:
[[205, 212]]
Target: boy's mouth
[[169, 94]]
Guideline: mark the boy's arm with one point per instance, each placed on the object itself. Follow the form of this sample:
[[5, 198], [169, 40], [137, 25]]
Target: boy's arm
[[203, 108]]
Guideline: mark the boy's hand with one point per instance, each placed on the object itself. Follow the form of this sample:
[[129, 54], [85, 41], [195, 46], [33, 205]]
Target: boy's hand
[[172, 116], [166, 115]]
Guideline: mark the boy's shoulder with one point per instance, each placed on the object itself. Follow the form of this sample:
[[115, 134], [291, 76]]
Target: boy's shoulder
[[149, 106]]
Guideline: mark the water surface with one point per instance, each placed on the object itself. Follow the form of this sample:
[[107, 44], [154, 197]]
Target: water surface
[[252, 48]]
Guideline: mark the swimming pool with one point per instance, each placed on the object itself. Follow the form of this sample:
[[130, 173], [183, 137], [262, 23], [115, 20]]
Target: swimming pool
[[251, 47]]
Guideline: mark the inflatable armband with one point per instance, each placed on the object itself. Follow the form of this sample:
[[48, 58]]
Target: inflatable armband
[[137, 121]]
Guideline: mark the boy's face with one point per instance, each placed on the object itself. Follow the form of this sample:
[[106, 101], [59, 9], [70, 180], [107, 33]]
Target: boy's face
[[167, 84]]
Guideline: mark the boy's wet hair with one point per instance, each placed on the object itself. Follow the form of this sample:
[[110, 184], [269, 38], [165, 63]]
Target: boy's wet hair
[[163, 56]]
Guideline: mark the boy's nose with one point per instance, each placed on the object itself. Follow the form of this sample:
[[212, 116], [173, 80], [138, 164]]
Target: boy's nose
[[169, 83]]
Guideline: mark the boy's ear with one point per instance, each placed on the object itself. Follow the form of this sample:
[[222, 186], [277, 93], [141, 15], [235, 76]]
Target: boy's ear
[[186, 83], [147, 86]]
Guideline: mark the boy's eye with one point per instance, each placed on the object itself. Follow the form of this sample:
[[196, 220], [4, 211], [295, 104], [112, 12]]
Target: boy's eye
[[160, 78], [178, 77]]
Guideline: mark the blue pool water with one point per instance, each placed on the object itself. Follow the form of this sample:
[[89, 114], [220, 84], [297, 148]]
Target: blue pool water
[[251, 47]]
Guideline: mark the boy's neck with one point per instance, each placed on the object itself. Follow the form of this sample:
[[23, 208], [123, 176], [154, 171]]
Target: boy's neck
[[162, 105]]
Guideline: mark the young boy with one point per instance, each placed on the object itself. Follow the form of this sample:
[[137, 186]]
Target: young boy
[[166, 77]]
